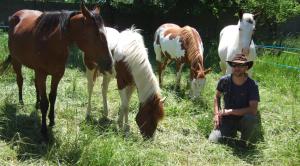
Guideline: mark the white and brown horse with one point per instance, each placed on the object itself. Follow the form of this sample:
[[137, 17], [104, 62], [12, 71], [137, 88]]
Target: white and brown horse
[[237, 39], [133, 69], [183, 45]]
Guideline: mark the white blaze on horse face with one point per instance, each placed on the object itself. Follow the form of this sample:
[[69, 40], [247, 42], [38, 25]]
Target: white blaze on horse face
[[197, 85], [246, 28], [171, 46]]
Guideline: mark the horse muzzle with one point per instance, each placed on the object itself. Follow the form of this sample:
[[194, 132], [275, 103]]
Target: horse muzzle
[[246, 51]]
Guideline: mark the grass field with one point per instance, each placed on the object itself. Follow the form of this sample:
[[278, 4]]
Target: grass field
[[181, 138]]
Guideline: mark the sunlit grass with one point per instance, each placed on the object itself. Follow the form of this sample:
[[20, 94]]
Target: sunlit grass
[[181, 138]]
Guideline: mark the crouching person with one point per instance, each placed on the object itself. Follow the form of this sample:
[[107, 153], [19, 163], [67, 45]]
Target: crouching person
[[241, 96]]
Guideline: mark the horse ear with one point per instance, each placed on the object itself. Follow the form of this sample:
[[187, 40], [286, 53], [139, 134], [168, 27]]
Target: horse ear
[[255, 15], [241, 14], [96, 9], [84, 10], [207, 71]]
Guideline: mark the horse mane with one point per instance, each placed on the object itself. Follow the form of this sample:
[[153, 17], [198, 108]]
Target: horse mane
[[189, 36], [48, 21], [131, 44]]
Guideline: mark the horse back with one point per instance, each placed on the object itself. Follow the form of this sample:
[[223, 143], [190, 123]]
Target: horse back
[[169, 40], [29, 49], [227, 41]]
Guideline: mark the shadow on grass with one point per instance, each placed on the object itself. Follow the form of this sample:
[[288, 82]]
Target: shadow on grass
[[108, 127], [22, 132], [251, 153], [178, 91], [103, 125]]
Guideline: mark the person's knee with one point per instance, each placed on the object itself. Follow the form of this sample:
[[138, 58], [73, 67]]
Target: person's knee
[[249, 121]]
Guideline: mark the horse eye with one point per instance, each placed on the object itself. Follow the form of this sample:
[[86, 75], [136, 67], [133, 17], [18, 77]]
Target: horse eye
[[240, 29], [250, 21]]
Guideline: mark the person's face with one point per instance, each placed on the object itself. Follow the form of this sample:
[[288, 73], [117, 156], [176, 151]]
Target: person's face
[[239, 69]]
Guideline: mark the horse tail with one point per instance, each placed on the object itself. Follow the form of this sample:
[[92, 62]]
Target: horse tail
[[5, 65]]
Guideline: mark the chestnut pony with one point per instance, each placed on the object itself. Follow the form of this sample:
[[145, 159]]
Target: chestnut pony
[[133, 69], [40, 40], [184, 46]]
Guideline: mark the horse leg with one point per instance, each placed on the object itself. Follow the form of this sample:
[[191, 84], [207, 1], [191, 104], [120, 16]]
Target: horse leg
[[161, 68], [105, 83], [38, 98], [18, 70], [130, 89], [179, 67], [44, 104], [52, 97], [125, 95], [90, 79]]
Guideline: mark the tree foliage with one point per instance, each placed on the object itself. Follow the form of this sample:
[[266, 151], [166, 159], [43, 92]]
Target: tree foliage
[[276, 11]]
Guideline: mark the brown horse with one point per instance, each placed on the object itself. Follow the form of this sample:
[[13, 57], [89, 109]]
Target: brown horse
[[184, 46], [40, 41]]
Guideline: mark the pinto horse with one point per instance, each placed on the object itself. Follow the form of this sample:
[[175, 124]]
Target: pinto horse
[[133, 69], [237, 39], [40, 41], [183, 45]]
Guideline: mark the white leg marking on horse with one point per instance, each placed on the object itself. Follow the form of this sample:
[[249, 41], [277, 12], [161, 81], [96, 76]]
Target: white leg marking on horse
[[125, 95], [105, 83], [90, 75]]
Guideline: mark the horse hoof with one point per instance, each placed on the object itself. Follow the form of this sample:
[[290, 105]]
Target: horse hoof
[[45, 139], [21, 102], [44, 133]]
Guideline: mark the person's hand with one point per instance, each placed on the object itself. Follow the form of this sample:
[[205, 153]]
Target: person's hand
[[217, 120], [226, 111]]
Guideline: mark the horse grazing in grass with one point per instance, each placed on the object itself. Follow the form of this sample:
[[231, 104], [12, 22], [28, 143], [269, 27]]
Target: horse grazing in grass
[[40, 41], [133, 69], [237, 39], [184, 46]]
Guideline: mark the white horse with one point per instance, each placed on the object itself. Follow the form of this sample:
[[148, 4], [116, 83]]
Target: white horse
[[237, 39], [133, 69]]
